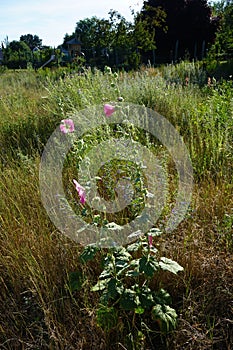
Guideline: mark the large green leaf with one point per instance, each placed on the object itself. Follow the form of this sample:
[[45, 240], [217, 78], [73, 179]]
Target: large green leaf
[[100, 285], [115, 288], [134, 247], [146, 297], [165, 316], [121, 266], [122, 254], [106, 273], [129, 300], [148, 265], [111, 289], [170, 265], [162, 297]]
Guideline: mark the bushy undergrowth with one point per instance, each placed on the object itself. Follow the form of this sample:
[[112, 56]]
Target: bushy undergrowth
[[46, 293]]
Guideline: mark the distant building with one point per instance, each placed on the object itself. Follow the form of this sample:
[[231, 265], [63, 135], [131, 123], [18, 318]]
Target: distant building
[[74, 47]]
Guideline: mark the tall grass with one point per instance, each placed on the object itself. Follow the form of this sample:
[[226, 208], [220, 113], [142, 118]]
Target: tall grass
[[39, 309]]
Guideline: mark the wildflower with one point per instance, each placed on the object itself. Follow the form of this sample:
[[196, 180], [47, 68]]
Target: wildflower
[[66, 126], [150, 241], [81, 191], [109, 110]]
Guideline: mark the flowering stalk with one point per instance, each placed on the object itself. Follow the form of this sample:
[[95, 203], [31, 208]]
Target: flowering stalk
[[81, 191]]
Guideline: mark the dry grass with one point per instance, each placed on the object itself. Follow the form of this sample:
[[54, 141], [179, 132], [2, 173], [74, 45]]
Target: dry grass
[[38, 309]]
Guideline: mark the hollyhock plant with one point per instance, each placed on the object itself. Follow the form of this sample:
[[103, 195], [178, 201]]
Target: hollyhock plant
[[67, 126], [81, 191], [108, 110]]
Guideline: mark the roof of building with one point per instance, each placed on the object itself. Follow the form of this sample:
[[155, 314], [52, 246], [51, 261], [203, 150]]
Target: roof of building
[[73, 41]]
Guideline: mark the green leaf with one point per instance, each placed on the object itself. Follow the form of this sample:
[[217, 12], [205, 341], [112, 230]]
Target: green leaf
[[106, 273], [134, 247], [139, 310], [162, 297], [142, 263], [88, 253], [133, 268], [122, 254], [132, 273], [75, 281], [148, 265], [120, 266], [154, 232], [129, 300], [100, 285], [152, 249], [146, 297], [112, 291], [165, 316], [115, 287], [170, 265]]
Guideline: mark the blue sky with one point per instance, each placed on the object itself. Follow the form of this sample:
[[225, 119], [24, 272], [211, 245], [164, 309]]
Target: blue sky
[[52, 19]]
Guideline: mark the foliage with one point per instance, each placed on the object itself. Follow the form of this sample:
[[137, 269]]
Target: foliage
[[222, 48], [33, 41], [124, 285], [188, 26], [19, 54], [114, 41]]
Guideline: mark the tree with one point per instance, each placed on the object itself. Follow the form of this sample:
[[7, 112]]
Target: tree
[[94, 36], [17, 54], [115, 41], [223, 46], [32, 41], [147, 24], [188, 27]]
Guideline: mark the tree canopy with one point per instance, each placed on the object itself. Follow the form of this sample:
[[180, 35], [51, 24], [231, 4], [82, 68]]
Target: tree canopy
[[113, 41], [223, 46], [33, 41], [163, 31], [188, 26]]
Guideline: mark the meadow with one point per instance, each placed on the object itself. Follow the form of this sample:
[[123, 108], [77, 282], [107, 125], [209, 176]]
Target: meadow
[[47, 299]]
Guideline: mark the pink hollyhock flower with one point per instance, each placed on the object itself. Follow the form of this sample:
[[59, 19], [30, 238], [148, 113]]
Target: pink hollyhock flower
[[150, 241], [66, 126], [81, 192], [109, 110]]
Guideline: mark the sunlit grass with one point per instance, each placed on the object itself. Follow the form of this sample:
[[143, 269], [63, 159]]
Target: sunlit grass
[[37, 307]]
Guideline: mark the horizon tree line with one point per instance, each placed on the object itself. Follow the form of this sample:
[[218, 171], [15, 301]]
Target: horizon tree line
[[163, 31]]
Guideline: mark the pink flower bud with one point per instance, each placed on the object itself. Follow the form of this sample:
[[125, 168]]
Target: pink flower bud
[[109, 110]]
